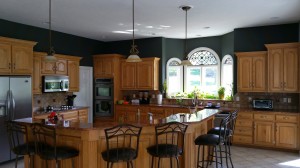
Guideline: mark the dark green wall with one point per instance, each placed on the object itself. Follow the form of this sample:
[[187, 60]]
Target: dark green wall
[[299, 32], [228, 44], [62, 43], [254, 38]]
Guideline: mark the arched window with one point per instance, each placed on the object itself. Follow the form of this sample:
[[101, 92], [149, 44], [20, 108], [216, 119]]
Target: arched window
[[205, 72], [227, 74], [174, 77]]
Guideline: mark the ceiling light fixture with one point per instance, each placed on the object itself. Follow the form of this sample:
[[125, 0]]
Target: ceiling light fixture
[[185, 61], [50, 55], [133, 57]]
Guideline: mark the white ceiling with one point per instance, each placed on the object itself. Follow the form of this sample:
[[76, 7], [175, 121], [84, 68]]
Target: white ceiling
[[97, 19]]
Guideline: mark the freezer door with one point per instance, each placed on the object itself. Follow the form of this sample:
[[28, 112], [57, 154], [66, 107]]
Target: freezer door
[[4, 145], [21, 97]]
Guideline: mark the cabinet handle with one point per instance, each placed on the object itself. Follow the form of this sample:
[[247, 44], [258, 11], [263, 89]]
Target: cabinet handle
[[284, 84], [252, 84], [14, 65], [40, 86], [281, 84], [9, 65]]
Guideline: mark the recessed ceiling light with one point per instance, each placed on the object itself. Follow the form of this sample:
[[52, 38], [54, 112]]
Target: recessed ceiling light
[[132, 30], [207, 27], [121, 24], [159, 28], [149, 27], [138, 24], [164, 26], [121, 32]]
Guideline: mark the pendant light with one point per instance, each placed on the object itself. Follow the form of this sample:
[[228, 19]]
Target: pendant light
[[185, 61], [133, 57], [50, 54]]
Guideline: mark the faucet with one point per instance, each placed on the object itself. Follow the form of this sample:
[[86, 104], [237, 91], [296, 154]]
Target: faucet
[[195, 100]]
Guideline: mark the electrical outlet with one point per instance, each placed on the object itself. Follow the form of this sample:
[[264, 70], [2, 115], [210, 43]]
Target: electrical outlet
[[289, 100]]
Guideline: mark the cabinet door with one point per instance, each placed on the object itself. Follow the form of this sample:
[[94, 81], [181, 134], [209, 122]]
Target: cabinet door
[[245, 74], [259, 74], [48, 67], [108, 67], [5, 58], [83, 116], [36, 76], [61, 67], [97, 67], [128, 75], [73, 73], [131, 116], [276, 70], [144, 77], [264, 133], [290, 76], [22, 59], [286, 135]]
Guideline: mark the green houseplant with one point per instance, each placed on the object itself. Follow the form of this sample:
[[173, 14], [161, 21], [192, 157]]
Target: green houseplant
[[221, 92]]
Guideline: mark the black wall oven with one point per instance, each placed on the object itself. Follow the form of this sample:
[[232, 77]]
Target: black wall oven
[[104, 97]]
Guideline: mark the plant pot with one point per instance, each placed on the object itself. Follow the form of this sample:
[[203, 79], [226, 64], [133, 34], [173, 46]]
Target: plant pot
[[70, 102], [221, 96]]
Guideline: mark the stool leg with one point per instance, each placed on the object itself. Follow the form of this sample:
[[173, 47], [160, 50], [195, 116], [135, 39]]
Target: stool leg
[[216, 155], [158, 165], [131, 164], [111, 165], [107, 164], [16, 161], [171, 162], [177, 162], [226, 153], [203, 156], [198, 155], [152, 161], [229, 153], [73, 162]]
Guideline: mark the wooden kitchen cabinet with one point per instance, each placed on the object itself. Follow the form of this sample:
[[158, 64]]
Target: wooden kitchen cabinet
[[264, 133], [140, 75], [83, 115], [36, 75], [73, 73], [287, 135], [243, 133], [252, 71], [59, 67], [106, 65], [283, 67], [16, 56]]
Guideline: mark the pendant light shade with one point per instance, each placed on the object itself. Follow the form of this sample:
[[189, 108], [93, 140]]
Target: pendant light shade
[[50, 54], [185, 61], [133, 57]]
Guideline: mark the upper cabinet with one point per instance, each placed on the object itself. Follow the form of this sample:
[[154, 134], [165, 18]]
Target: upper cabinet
[[16, 56], [283, 67], [140, 75], [65, 65], [106, 65], [252, 71], [59, 67]]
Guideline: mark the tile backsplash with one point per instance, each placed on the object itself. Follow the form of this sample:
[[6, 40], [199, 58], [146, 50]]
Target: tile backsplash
[[53, 99]]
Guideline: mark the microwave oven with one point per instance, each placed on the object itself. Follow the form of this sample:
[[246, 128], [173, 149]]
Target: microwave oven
[[263, 104], [55, 83]]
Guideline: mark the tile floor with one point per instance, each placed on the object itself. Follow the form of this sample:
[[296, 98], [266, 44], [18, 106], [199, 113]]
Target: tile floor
[[244, 158]]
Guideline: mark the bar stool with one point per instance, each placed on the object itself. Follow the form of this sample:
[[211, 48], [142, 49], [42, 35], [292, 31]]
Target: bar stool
[[47, 148], [122, 144], [18, 141], [212, 140], [169, 142], [229, 134]]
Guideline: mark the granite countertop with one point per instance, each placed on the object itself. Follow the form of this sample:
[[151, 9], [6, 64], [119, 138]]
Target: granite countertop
[[43, 112]]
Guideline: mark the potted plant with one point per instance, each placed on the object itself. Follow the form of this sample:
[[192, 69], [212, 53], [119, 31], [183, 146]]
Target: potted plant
[[221, 92], [70, 100]]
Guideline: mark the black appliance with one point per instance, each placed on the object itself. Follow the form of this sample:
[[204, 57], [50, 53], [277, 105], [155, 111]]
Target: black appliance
[[104, 97], [262, 104]]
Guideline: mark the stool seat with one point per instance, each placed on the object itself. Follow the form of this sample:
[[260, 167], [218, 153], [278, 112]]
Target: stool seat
[[165, 150], [216, 131], [25, 149], [62, 152], [124, 154], [207, 139]]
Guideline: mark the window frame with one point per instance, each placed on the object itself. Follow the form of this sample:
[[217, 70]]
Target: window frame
[[181, 73]]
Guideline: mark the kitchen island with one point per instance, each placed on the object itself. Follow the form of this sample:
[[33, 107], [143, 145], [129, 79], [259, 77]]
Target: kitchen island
[[90, 140]]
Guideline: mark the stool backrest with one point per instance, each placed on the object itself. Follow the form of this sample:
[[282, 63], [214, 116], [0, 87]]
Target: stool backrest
[[121, 137], [171, 133], [225, 125], [45, 138], [17, 133], [233, 117]]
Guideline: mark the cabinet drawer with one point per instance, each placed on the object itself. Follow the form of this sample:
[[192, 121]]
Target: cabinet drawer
[[244, 123], [243, 131], [70, 115], [286, 118], [239, 139], [264, 117], [82, 112], [245, 116]]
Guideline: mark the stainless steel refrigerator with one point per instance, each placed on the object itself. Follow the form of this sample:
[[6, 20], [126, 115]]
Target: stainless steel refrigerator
[[15, 103]]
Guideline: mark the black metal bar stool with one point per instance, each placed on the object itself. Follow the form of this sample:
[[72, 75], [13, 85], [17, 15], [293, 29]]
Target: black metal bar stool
[[169, 142], [214, 141], [18, 141], [229, 133], [47, 148], [122, 144]]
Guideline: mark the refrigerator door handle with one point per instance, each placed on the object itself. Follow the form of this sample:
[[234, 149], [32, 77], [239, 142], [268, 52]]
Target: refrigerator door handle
[[13, 106], [7, 104]]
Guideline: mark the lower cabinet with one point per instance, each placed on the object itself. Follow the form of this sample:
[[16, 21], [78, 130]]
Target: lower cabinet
[[276, 130]]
